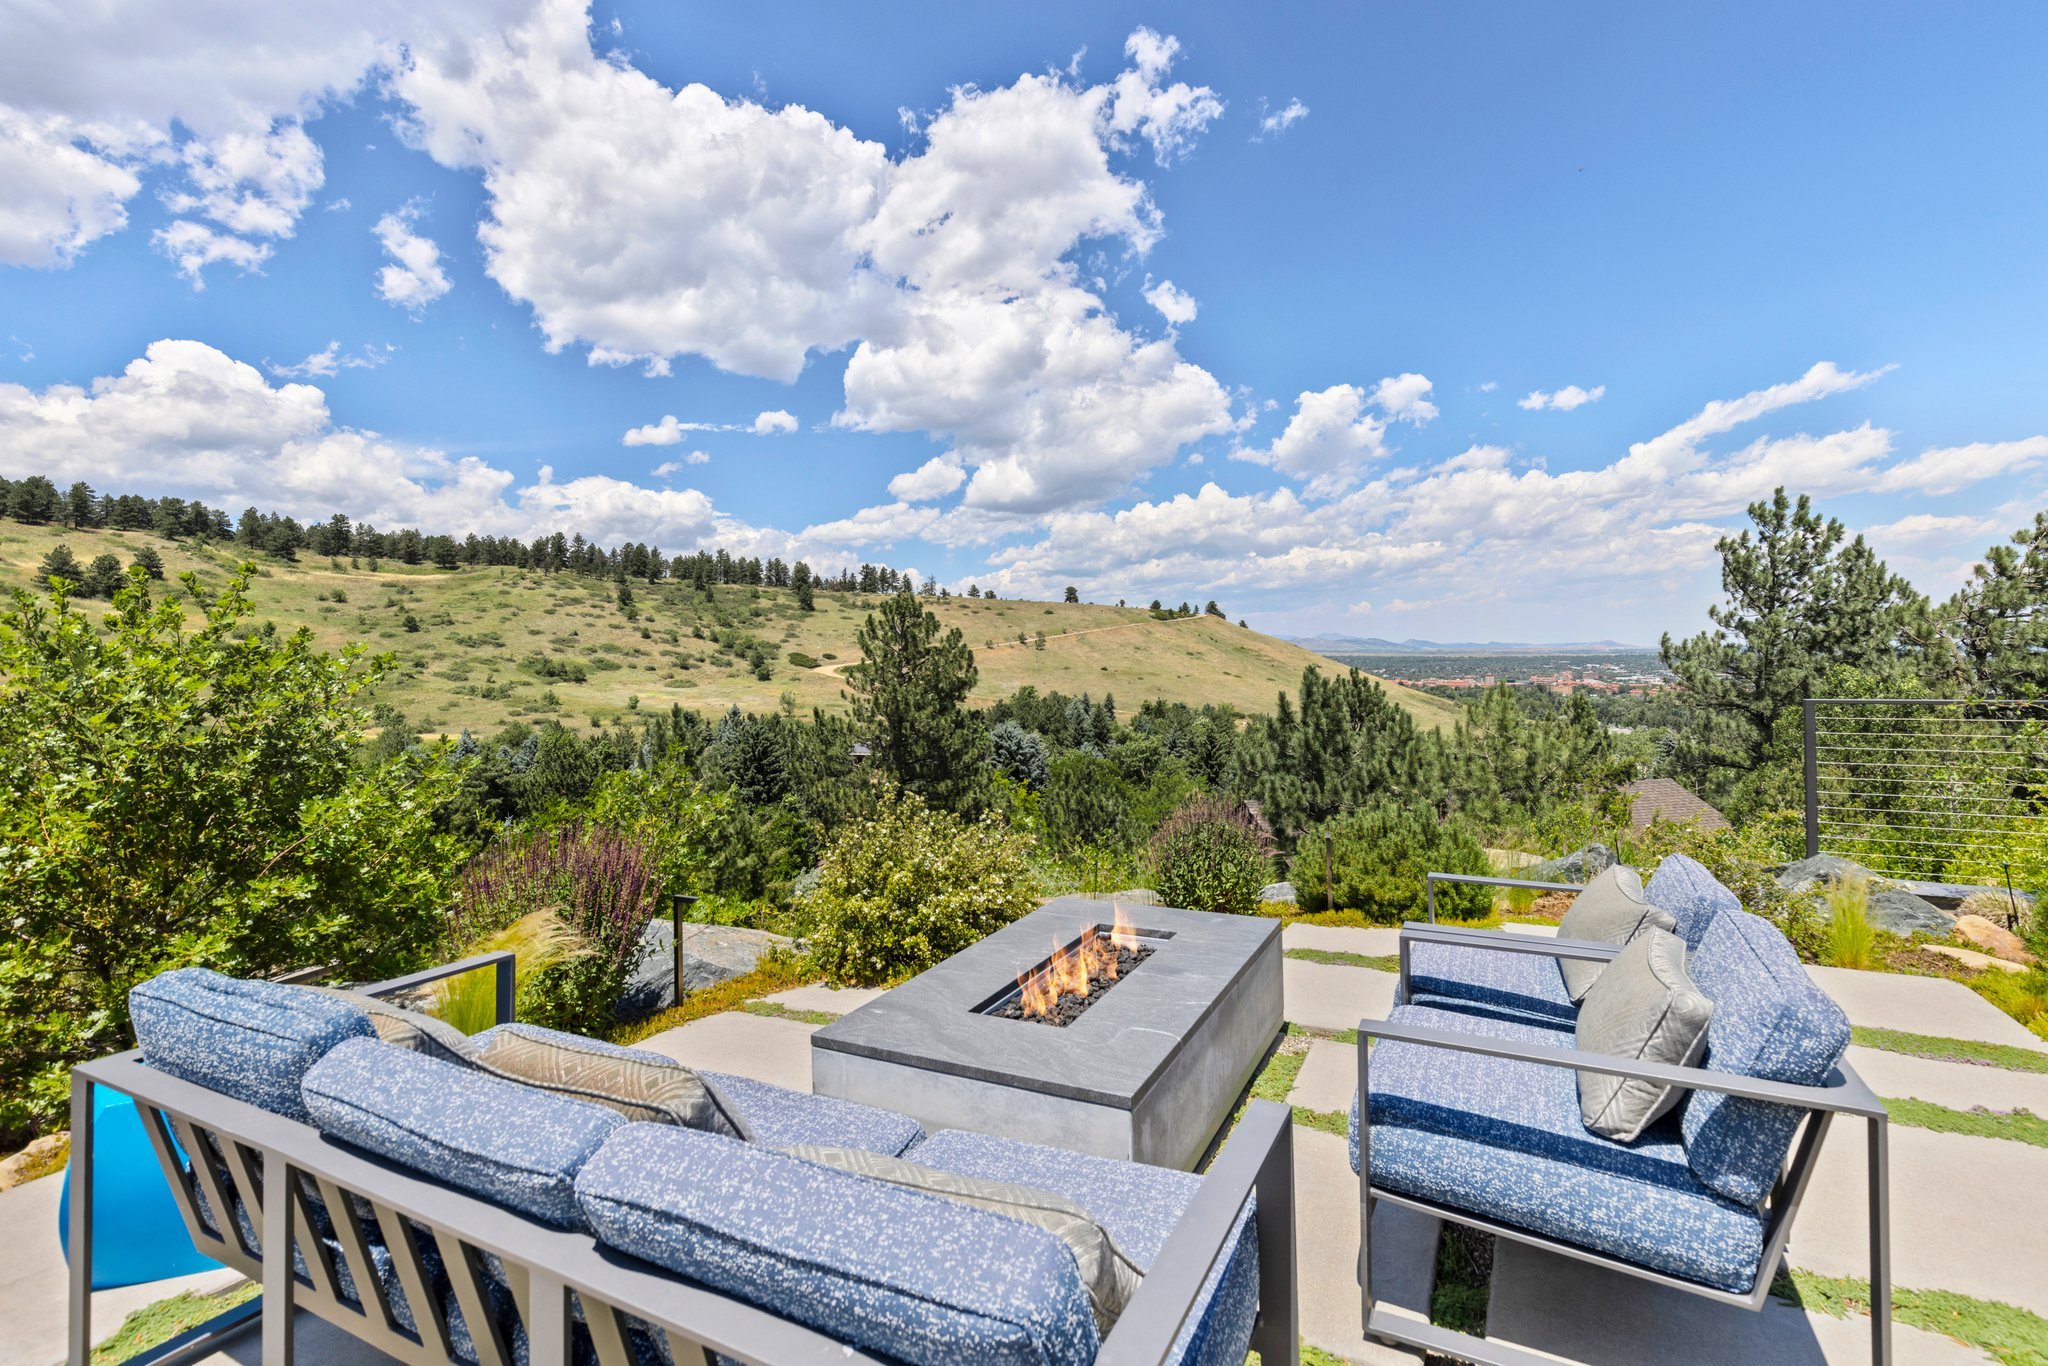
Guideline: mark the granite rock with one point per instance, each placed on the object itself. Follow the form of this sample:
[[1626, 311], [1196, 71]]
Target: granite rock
[[1898, 910], [1995, 940], [711, 954], [1820, 872], [1277, 891], [1579, 866]]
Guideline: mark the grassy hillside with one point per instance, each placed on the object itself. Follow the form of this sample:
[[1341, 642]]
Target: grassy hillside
[[491, 645]]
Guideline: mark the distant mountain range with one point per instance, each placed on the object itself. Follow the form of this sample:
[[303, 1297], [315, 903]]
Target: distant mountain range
[[1373, 645]]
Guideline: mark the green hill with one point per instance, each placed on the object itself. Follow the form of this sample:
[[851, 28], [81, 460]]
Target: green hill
[[478, 647]]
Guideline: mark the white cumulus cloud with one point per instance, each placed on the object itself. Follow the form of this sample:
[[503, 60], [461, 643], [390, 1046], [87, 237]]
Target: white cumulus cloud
[[670, 467], [773, 422], [1175, 305], [415, 277], [1336, 433], [1563, 400], [935, 478]]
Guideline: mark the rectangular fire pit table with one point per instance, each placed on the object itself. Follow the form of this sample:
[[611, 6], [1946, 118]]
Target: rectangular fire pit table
[[1149, 1071]]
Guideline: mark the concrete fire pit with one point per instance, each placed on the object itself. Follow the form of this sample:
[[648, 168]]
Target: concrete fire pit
[[1149, 1071]]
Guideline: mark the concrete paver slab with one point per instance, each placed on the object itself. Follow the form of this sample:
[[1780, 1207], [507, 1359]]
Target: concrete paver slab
[[1966, 1214], [1374, 943], [1583, 1313], [757, 1046], [1540, 931], [1329, 1078], [1326, 1254], [1958, 1085], [33, 1286], [833, 1000], [1921, 1005], [1323, 996]]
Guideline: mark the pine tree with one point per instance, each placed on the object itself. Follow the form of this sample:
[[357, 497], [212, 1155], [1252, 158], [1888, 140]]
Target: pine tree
[[1996, 626], [149, 562], [60, 563], [909, 701], [103, 578], [81, 506], [33, 500], [1799, 601], [1073, 594], [800, 582]]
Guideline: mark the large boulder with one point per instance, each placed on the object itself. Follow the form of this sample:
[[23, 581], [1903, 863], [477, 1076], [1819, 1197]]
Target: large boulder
[[1276, 891], [1898, 910], [1579, 866], [711, 954], [1821, 872], [1995, 940]]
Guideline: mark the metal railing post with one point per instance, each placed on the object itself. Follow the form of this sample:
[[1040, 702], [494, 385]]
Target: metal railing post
[[507, 987], [79, 1351], [1812, 781], [675, 921]]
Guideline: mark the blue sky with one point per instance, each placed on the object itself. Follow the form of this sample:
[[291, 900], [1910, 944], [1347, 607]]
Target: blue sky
[[1725, 247]]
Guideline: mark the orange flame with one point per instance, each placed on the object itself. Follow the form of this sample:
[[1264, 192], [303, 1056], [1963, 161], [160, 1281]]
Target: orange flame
[[1067, 971]]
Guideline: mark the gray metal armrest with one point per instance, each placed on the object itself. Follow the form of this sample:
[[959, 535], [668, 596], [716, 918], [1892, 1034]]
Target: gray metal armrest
[[1488, 880], [1494, 941], [504, 961], [1844, 1092]]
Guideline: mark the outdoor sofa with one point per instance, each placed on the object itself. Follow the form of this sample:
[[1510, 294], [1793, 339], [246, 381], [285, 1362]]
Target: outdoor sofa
[[442, 1213], [1475, 1114]]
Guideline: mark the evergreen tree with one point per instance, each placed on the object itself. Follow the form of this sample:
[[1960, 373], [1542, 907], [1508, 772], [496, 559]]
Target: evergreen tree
[[1799, 601], [149, 562], [1996, 627], [1347, 744], [81, 506], [1018, 752], [103, 578], [909, 699], [1073, 594], [60, 563], [33, 500], [800, 581]]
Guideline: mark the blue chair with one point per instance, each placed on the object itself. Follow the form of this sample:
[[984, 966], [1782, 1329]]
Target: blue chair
[[137, 1233]]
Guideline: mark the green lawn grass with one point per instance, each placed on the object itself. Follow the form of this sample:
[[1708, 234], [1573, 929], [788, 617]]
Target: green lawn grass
[[775, 1010], [1385, 962], [1953, 1050], [2005, 1332], [2018, 1126], [158, 1323]]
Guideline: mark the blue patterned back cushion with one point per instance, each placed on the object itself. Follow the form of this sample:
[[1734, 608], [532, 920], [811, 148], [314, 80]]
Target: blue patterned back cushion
[[1770, 1021], [1692, 895], [496, 1139], [250, 1040], [887, 1270]]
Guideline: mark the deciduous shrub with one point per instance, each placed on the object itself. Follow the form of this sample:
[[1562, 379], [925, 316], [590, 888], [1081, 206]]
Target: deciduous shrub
[[910, 886], [598, 885], [174, 796], [1380, 860], [1211, 854]]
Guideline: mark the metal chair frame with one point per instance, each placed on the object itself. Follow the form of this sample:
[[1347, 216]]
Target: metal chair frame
[[1844, 1093], [272, 1166]]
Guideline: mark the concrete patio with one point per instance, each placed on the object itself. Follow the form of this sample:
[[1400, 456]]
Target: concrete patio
[[1956, 1198]]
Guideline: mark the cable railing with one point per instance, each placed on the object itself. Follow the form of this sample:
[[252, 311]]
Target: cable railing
[[1949, 791]]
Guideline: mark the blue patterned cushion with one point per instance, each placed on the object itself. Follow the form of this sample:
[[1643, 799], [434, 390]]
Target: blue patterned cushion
[[1503, 1139], [780, 1117], [1522, 987], [1138, 1205], [915, 1277], [1770, 1021], [250, 1040], [774, 1115], [1691, 894], [495, 1139]]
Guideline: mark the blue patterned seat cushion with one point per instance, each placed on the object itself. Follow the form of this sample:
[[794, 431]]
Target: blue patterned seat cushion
[[1690, 894], [774, 1115], [1503, 1139], [885, 1269], [1138, 1205], [1525, 988], [1770, 1021], [496, 1139], [250, 1040]]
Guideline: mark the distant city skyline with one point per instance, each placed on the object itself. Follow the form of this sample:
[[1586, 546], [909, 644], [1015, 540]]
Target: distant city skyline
[[1458, 323]]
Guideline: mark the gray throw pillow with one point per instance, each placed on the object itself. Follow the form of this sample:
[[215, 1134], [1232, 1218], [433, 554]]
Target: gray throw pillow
[[1612, 910], [1108, 1275], [411, 1030], [650, 1089], [1644, 1007]]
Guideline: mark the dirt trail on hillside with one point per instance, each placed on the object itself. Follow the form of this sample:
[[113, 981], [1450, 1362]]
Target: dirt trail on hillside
[[832, 670]]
